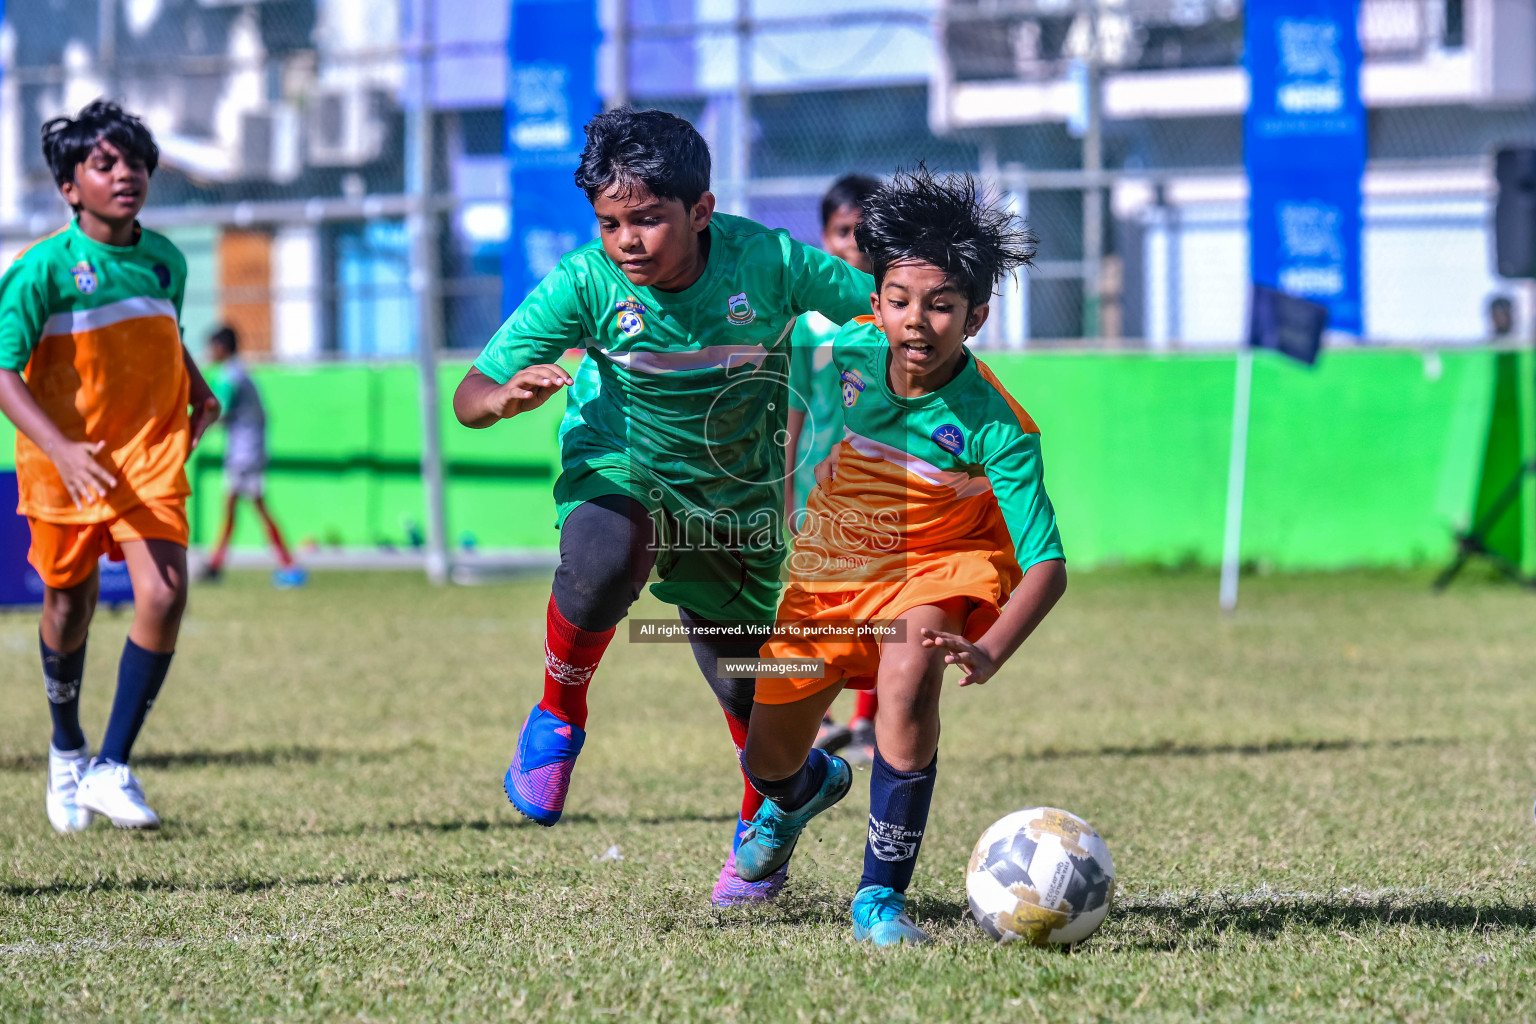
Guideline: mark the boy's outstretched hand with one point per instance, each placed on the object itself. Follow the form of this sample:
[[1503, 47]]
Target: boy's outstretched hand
[[480, 401], [974, 661], [532, 387]]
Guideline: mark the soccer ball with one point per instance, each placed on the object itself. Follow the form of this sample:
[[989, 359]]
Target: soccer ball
[[1041, 875]]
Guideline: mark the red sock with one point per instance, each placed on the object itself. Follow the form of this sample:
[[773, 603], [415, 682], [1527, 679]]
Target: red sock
[[571, 655], [275, 536], [751, 799], [864, 704]]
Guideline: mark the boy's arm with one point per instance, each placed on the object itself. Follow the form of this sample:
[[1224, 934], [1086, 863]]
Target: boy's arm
[[820, 281], [516, 372], [86, 479], [24, 308], [205, 404], [1027, 607], [481, 401], [1018, 482]]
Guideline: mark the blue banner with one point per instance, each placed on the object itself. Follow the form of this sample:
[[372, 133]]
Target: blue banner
[[1304, 148], [19, 582], [550, 97]]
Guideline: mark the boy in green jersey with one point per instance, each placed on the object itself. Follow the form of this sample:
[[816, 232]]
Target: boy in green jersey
[[816, 422], [676, 459], [930, 530]]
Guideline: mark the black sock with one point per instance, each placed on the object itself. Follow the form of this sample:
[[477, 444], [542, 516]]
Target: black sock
[[61, 675], [794, 792], [139, 676], [898, 814]]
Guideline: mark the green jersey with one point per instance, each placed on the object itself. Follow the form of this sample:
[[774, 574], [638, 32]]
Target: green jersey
[[813, 390], [691, 399]]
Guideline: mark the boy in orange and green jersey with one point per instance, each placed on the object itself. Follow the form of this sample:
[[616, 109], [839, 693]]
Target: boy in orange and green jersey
[[675, 461], [930, 519], [94, 375]]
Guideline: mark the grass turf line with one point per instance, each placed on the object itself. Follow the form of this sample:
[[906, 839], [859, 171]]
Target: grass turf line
[[1319, 809]]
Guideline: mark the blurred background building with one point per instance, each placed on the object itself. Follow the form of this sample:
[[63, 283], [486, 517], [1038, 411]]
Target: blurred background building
[[289, 169], [361, 183]]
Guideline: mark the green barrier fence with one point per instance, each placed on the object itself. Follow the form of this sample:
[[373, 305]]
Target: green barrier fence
[[1373, 458]]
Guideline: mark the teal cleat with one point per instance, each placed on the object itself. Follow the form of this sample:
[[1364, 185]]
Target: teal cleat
[[880, 916], [769, 841]]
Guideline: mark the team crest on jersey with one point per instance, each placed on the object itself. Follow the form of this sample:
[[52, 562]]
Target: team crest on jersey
[[85, 277], [631, 316], [738, 310], [852, 385], [950, 438]]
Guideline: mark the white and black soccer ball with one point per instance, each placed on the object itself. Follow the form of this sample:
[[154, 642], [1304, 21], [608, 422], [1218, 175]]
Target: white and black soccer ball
[[1043, 876]]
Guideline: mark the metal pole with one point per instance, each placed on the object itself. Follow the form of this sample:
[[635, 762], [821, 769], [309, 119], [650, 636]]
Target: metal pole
[[621, 39], [743, 140], [1093, 163], [106, 44], [426, 286], [1237, 469]]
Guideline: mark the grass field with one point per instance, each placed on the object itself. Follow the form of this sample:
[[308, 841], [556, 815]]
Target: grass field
[[1320, 809]]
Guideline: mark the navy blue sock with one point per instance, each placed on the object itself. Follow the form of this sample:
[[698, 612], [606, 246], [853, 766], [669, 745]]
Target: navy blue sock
[[794, 792], [139, 676], [898, 814], [61, 675]]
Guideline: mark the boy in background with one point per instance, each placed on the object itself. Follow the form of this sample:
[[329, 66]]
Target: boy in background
[[95, 377], [245, 458], [931, 515], [816, 423]]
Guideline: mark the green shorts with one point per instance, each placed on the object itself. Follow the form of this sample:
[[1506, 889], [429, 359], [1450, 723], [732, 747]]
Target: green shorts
[[724, 580]]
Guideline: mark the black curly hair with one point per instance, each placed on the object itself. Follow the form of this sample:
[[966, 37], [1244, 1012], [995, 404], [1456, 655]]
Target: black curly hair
[[945, 222], [628, 147], [67, 141]]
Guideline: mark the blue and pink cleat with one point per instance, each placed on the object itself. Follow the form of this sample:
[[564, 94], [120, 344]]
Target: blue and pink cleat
[[540, 774], [732, 891]]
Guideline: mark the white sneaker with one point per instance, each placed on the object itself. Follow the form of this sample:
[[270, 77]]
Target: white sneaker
[[109, 789], [64, 770]]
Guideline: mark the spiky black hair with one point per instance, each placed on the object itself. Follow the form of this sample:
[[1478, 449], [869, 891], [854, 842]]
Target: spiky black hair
[[67, 141], [945, 222]]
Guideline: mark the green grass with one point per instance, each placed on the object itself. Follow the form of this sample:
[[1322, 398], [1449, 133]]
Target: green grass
[[1319, 809]]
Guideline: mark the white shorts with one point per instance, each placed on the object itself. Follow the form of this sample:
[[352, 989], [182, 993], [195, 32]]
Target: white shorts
[[246, 481]]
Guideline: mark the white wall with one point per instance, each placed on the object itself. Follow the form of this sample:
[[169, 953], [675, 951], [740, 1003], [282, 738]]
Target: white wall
[[1425, 268]]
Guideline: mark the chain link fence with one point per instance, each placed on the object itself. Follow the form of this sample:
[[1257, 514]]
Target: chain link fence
[[301, 137]]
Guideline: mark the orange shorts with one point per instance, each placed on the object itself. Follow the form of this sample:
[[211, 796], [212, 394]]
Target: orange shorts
[[65, 554], [855, 662]]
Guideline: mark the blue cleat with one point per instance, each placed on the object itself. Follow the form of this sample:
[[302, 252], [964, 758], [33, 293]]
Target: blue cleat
[[769, 841], [880, 917], [290, 578], [540, 774]]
